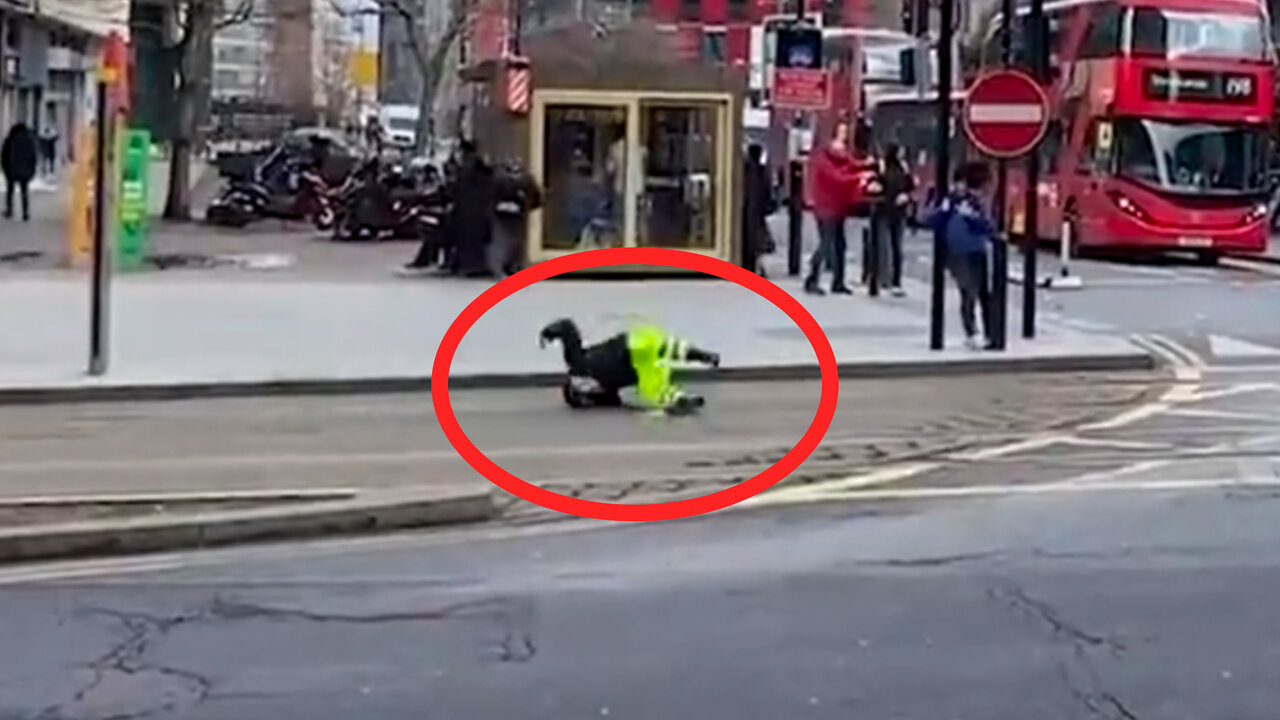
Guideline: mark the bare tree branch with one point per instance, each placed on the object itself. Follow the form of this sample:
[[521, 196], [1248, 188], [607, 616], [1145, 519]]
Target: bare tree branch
[[242, 12]]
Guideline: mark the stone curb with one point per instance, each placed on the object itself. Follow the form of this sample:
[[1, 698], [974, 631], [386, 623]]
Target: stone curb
[[979, 364], [374, 512]]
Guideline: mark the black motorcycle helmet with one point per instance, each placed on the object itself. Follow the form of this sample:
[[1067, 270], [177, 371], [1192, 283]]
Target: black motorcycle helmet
[[574, 397]]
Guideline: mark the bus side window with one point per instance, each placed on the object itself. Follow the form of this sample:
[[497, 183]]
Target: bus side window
[[1102, 40]]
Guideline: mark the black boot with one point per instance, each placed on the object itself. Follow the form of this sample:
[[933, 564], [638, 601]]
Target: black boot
[[558, 330]]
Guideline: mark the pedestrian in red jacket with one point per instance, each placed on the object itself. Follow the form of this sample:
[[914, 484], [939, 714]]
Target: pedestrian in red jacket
[[837, 179]]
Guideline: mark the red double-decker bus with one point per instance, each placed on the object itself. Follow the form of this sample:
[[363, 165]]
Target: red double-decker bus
[[1160, 138]]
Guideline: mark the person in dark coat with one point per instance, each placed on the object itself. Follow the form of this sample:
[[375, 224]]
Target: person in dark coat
[[18, 159], [516, 194], [890, 210], [757, 206], [968, 231], [472, 200]]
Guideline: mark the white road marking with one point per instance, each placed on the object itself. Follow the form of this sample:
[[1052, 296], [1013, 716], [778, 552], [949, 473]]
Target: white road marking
[[1116, 444], [1190, 455], [1246, 369], [1121, 283], [1055, 488], [1222, 415], [1224, 346], [76, 569], [1187, 372], [1038, 442], [1188, 356], [808, 493], [1243, 389]]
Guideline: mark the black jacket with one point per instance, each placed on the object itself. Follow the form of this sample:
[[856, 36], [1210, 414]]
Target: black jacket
[[18, 156], [896, 180], [517, 194]]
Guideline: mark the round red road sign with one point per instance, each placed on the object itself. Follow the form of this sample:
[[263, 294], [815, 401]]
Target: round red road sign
[[1006, 113]]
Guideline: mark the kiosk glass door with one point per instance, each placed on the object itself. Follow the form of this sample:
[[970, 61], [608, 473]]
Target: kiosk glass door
[[680, 153], [584, 177], [627, 169]]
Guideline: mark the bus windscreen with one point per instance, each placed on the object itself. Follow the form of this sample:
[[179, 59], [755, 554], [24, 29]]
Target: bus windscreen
[[1193, 158]]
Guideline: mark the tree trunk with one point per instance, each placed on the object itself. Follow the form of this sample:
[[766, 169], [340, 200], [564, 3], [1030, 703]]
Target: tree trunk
[[177, 205], [193, 85], [426, 140]]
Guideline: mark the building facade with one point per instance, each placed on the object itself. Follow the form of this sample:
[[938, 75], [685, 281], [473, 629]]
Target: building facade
[[241, 60], [288, 53], [48, 63]]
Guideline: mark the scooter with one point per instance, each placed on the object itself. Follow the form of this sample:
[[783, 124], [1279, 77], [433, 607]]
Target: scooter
[[274, 189], [386, 206]]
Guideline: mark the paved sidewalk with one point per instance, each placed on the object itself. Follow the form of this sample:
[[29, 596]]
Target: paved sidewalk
[[170, 330]]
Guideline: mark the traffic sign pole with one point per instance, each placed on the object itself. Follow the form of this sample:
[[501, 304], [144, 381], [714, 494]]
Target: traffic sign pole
[[1000, 259], [942, 178], [1031, 230], [100, 279]]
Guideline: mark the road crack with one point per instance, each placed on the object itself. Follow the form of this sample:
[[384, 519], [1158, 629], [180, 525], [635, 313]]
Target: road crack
[[132, 657], [1016, 598], [1078, 671]]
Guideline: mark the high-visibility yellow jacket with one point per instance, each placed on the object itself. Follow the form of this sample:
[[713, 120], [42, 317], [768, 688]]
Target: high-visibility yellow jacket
[[653, 352]]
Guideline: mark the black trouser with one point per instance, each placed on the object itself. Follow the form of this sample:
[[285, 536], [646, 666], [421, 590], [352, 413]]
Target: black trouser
[[21, 186], [973, 280], [890, 225], [832, 245], [505, 249], [432, 247]]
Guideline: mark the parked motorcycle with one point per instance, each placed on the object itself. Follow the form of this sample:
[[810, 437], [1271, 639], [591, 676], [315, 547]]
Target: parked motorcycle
[[386, 204], [284, 185]]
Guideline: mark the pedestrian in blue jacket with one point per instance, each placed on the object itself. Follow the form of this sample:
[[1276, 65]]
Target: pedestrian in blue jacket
[[967, 231]]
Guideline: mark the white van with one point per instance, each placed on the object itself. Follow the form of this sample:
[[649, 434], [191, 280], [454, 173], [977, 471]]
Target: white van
[[400, 123]]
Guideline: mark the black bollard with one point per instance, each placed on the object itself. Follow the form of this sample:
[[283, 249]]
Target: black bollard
[[795, 217]]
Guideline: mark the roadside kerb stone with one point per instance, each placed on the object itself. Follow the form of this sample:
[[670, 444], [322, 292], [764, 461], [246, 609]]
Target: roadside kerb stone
[[987, 364], [371, 512]]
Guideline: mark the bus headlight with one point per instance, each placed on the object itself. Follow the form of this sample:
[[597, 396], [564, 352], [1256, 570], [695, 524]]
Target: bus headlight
[[1256, 213], [1128, 206]]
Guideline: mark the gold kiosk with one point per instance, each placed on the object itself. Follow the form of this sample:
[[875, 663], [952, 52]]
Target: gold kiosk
[[632, 145]]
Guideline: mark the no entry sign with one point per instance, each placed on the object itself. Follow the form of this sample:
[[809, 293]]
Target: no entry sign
[[1006, 113]]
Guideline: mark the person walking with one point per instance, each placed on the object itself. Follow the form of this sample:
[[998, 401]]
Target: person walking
[[890, 213], [836, 182], [757, 206], [967, 230], [49, 146], [18, 158]]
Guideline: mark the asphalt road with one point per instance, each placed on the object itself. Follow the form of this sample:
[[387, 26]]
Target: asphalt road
[[395, 440], [1123, 568]]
